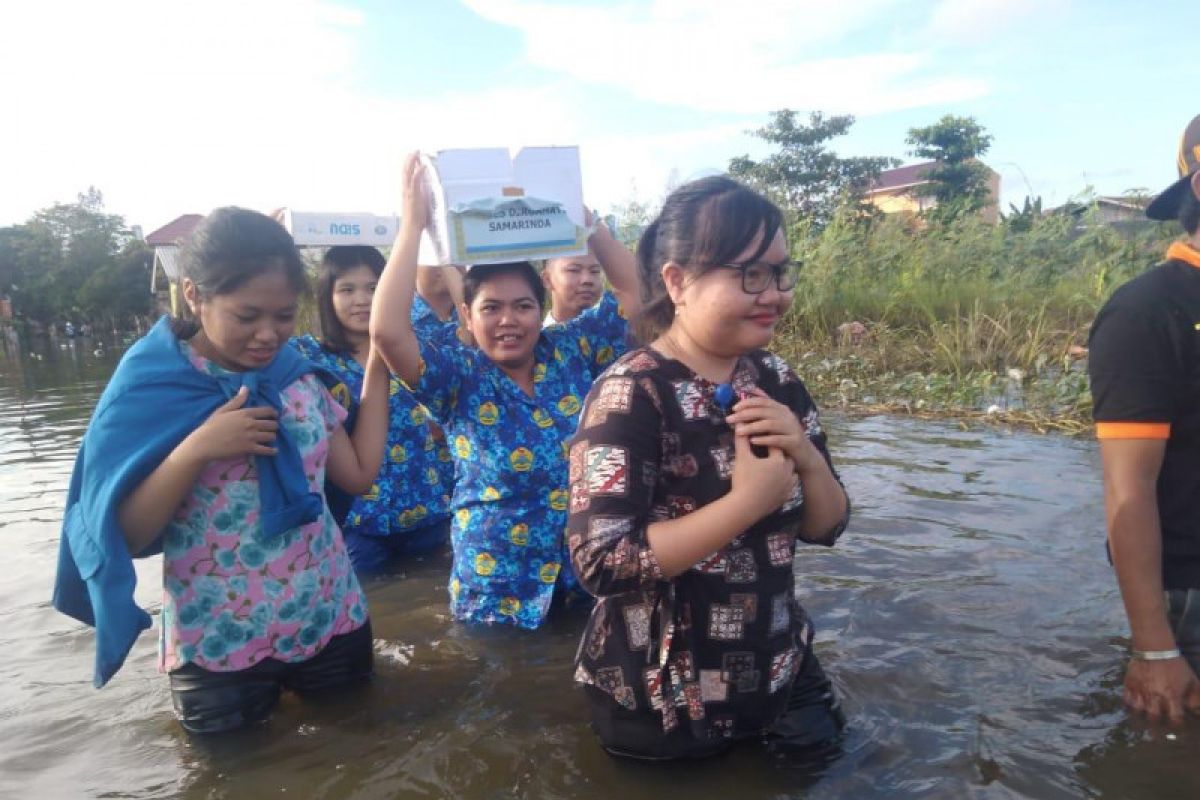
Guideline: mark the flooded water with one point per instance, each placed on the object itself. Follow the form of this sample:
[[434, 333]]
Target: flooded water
[[968, 617]]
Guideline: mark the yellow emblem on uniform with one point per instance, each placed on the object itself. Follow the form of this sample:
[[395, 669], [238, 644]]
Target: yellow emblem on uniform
[[419, 513], [341, 393], [398, 454], [418, 415], [464, 517], [405, 518], [431, 476], [585, 346], [519, 534], [462, 446], [490, 493], [605, 355], [509, 606], [485, 564], [539, 373], [558, 499], [454, 587], [521, 459], [542, 419], [372, 493], [569, 405], [394, 386], [488, 413], [549, 572]]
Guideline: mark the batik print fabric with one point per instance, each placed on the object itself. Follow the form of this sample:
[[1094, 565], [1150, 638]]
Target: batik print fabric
[[713, 652], [427, 324], [412, 490], [232, 597], [510, 496]]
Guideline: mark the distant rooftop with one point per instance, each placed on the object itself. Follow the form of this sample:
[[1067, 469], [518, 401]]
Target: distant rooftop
[[176, 232], [902, 177]]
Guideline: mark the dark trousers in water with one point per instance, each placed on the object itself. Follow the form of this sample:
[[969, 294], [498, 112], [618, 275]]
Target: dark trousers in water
[[215, 702], [370, 554], [809, 731]]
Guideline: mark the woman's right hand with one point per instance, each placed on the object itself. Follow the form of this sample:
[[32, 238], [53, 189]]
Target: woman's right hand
[[414, 207], [764, 484], [233, 431]]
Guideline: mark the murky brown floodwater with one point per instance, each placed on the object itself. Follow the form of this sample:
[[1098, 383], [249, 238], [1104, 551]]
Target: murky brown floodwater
[[968, 616]]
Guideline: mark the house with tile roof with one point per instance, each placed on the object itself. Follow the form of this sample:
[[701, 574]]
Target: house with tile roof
[[166, 242], [897, 191]]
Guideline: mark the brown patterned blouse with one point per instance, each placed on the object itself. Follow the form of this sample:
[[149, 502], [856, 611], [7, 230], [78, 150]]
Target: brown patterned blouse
[[716, 648]]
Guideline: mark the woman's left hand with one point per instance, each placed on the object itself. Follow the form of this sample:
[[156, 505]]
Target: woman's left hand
[[414, 199], [772, 424]]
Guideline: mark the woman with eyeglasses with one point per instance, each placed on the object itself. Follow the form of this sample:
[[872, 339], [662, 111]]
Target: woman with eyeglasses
[[698, 462]]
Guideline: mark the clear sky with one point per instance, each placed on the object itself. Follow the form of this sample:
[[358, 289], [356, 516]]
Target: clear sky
[[172, 107]]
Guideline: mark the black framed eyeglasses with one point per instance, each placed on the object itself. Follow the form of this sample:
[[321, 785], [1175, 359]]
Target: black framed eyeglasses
[[757, 275]]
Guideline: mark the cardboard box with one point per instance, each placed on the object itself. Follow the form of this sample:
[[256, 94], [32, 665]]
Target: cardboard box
[[310, 229], [488, 207]]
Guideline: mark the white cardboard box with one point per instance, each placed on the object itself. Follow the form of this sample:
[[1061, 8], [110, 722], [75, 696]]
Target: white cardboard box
[[489, 207], [311, 229]]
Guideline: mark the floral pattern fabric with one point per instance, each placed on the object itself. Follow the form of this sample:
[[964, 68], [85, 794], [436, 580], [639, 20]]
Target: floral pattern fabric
[[510, 494], [714, 651], [412, 490], [232, 597], [427, 324]]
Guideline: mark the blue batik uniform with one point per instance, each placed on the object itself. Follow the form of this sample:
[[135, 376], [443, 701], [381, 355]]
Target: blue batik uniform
[[510, 495], [406, 510], [427, 324]]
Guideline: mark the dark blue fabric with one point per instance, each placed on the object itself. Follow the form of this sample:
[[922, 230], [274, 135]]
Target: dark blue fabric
[[153, 401]]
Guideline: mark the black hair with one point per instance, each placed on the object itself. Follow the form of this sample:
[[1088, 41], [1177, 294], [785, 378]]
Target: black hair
[[480, 274], [702, 225], [231, 247], [1189, 210], [336, 263]]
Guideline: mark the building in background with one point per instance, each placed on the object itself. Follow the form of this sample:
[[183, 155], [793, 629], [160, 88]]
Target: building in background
[[898, 191], [164, 275]]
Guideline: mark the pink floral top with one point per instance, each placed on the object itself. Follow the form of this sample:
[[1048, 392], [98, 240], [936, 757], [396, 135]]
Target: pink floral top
[[231, 598]]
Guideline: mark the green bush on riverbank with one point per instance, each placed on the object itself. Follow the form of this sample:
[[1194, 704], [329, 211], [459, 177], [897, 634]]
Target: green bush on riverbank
[[961, 316]]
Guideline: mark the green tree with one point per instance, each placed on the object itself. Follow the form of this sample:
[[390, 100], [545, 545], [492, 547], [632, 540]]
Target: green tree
[[1022, 219], [633, 216], [119, 290], [74, 260], [958, 181], [804, 175]]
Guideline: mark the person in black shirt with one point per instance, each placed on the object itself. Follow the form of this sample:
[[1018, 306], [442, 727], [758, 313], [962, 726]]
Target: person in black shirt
[[1144, 363], [685, 535]]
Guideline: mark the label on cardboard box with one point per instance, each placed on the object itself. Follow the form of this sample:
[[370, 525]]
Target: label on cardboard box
[[311, 229], [487, 207]]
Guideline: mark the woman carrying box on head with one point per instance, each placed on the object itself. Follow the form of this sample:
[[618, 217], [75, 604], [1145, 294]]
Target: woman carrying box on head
[[682, 531], [508, 403]]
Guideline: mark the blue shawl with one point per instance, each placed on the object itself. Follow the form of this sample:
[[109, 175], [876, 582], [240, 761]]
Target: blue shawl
[[153, 401]]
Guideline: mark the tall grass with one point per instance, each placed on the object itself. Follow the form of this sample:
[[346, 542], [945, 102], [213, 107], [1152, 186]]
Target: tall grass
[[961, 300]]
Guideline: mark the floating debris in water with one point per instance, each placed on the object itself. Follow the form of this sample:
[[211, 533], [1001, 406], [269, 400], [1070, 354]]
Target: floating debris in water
[[399, 652]]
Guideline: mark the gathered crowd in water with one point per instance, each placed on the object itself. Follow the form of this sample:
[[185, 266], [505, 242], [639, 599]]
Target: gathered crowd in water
[[608, 432]]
